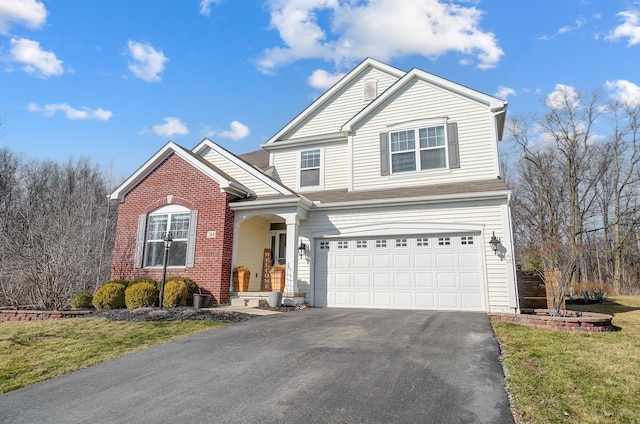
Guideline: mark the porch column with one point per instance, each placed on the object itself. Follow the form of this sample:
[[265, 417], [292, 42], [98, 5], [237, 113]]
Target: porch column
[[291, 287], [234, 254]]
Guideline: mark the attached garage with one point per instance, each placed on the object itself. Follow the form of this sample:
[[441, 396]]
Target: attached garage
[[434, 272]]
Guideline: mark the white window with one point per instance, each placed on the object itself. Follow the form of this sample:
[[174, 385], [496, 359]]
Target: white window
[[422, 242], [173, 220], [466, 240], [343, 245], [401, 242], [310, 168], [444, 241], [381, 244], [428, 153], [324, 245], [361, 244]]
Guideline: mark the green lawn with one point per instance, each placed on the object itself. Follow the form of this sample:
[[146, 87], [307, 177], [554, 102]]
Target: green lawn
[[557, 377], [33, 351]]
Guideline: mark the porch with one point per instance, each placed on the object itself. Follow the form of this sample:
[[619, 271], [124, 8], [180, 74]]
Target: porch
[[266, 235]]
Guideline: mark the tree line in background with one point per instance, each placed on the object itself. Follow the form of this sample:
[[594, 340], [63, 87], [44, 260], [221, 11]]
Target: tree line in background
[[56, 230], [576, 191]]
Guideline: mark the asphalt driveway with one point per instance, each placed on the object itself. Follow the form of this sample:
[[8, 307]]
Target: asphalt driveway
[[310, 366]]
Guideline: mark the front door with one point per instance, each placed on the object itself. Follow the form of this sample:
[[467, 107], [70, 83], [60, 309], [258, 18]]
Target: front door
[[278, 245]]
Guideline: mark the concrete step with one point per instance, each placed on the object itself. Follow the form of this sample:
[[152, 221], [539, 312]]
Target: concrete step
[[250, 302]]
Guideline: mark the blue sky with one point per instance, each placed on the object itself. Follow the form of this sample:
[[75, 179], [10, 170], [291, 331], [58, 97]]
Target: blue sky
[[115, 80]]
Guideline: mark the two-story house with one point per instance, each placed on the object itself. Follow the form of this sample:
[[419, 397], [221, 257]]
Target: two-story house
[[384, 193]]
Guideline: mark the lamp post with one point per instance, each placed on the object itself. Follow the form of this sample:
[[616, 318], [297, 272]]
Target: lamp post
[[167, 245]]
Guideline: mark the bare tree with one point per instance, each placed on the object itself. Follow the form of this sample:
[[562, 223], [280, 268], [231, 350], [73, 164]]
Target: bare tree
[[59, 235]]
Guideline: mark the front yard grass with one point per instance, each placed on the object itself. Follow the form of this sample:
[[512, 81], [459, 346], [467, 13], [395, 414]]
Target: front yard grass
[[33, 351], [557, 377]]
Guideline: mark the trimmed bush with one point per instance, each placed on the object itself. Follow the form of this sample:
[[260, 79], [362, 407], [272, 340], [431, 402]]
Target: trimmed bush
[[109, 296], [145, 280], [175, 294], [192, 287], [141, 295], [125, 283], [81, 300]]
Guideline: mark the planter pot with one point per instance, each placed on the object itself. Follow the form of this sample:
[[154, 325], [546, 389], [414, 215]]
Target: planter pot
[[278, 280], [275, 299], [201, 300], [241, 280]]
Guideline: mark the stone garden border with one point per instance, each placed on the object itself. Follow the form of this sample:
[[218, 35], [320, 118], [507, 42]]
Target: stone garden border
[[589, 322]]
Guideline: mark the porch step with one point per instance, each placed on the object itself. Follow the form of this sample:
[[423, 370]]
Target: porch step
[[249, 302]]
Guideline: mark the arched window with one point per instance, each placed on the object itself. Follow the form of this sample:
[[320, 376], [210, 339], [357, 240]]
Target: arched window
[[177, 220]]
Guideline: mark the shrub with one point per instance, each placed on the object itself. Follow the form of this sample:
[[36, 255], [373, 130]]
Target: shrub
[[125, 283], [109, 296], [192, 287], [175, 294], [145, 280], [141, 295], [82, 300]]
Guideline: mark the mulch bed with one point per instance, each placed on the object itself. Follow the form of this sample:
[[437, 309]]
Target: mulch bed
[[181, 313]]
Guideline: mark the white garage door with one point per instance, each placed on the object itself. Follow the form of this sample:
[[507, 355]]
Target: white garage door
[[441, 272]]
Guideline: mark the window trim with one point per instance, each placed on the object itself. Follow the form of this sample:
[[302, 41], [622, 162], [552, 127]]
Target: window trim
[[140, 260], [321, 167], [417, 149]]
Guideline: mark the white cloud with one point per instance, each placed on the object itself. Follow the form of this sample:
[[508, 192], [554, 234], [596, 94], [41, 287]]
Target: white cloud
[[172, 126], [237, 131], [382, 29], [205, 6], [504, 92], [50, 109], [630, 28], [624, 91], [30, 13], [35, 60], [322, 80], [564, 95], [148, 63], [568, 28]]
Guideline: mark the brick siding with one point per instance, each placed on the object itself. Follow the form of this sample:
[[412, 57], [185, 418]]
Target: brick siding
[[175, 181]]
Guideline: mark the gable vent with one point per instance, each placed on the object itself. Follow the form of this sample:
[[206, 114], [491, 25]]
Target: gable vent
[[370, 89]]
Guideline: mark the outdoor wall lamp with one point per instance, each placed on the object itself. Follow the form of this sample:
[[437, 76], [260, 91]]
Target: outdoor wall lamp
[[167, 245], [494, 242], [302, 248]]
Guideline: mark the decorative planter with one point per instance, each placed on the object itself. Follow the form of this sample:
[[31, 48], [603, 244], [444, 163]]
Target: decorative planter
[[278, 279], [241, 280], [201, 300], [275, 299]]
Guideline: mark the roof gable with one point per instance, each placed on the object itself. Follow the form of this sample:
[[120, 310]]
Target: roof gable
[[357, 73], [247, 168], [495, 105], [226, 183]]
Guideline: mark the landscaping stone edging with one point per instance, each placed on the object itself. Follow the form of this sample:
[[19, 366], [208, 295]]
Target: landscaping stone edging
[[34, 315], [589, 322]]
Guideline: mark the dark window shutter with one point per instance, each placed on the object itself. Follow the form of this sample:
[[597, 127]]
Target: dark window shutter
[[191, 240], [140, 241], [384, 154], [454, 149]]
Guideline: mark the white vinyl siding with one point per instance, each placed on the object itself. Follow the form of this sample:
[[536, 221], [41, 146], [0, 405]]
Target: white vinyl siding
[[335, 160], [420, 100], [487, 214], [345, 104], [237, 173], [253, 235]]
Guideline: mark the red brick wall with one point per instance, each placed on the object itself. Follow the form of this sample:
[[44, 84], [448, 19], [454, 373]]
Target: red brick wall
[[175, 181]]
